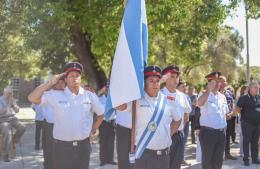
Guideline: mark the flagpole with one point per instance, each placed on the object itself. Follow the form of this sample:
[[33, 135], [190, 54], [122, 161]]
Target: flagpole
[[132, 150]]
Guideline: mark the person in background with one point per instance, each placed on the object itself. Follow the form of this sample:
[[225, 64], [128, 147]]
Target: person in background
[[193, 98], [249, 107], [106, 133], [230, 122], [183, 88], [39, 122], [243, 91], [8, 121]]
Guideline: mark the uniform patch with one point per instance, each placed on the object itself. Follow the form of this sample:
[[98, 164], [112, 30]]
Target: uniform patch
[[170, 98], [62, 102], [86, 103], [144, 105]]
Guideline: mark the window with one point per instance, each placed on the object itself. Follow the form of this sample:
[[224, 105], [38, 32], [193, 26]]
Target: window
[[15, 83]]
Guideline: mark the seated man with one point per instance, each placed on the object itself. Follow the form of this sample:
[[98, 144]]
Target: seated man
[[9, 121]]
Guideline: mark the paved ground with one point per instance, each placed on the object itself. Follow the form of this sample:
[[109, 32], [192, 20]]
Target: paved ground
[[28, 158]]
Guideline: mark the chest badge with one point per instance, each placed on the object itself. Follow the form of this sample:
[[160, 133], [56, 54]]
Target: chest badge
[[152, 126]]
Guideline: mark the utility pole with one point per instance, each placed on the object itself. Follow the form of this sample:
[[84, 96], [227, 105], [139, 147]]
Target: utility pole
[[247, 46]]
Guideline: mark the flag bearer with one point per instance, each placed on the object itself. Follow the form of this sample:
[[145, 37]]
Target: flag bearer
[[156, 121]]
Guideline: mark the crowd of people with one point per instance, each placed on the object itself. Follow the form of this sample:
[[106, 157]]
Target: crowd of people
[[69, 114]]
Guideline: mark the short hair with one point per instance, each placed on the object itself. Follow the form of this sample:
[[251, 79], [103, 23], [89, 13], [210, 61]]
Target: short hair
[[253, 83], [8, 89]]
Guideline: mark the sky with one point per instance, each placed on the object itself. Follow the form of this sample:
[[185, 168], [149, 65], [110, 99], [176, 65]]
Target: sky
[[239, 23]]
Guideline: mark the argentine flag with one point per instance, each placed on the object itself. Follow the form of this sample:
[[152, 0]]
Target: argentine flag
[[127, 74]]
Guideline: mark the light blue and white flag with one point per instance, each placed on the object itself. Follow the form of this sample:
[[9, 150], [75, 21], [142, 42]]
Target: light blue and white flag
[[127, 74]]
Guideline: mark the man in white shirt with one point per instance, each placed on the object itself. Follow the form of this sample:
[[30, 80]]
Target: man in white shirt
[[179, 100], [39, 120], [48, 129], [156, 121], [106, 134], [73, 117], [214, 109]]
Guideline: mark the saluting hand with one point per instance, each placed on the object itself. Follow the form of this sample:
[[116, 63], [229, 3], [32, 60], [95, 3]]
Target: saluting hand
[[165, 77], [211, 85], [56, 78]]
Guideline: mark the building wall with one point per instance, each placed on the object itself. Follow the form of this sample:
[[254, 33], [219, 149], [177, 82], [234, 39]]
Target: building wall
[[22, 88]]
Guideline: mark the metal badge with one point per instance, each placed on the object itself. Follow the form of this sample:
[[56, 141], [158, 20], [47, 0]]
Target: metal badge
[[152, 126]]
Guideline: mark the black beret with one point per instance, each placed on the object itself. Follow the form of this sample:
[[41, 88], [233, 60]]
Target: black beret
[[73, 66], [171, 69], [213, 75], [152, 71]]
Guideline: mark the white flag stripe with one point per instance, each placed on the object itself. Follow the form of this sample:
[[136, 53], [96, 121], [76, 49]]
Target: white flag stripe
[[123, 72]]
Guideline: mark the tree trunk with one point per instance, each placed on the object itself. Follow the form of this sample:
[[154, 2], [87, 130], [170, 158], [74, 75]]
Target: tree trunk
[[94, 73]]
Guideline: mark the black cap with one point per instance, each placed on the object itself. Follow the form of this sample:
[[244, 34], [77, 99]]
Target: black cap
[[152, 71], [73, 66], [213, 75], [171, 69]]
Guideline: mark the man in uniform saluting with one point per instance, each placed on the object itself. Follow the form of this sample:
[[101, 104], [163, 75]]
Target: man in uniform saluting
[[214, 109], [156, 121], [181, 103], [73, 117]]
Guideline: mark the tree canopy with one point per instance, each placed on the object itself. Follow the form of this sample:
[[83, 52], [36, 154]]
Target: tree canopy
[[42, 35]]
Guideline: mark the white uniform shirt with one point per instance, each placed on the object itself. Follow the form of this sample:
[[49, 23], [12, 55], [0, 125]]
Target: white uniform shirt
[[73, 117], [124, 119], [181, 103], [144, 111], [38, 112], [47, 112], [213, 112]]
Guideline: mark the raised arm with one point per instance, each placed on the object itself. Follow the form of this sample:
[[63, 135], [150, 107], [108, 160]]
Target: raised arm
[[204, 97], [36, 94]]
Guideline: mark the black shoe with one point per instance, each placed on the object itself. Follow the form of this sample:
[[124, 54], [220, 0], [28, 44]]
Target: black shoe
[[246, 163], [256, 161], [112, 163], [6, 158], [230, 157]]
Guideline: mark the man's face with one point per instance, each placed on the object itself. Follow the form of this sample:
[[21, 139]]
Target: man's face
[[254, 90], [173, 80], [190, 90], [60, 85], [223, 83], [152, 85], [182, 88], [73, 79]]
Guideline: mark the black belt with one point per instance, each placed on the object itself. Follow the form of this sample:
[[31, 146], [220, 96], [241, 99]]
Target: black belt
[[71, 143], [210, 128], [157, 152]]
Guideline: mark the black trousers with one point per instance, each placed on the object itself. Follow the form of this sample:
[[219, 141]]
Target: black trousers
[[48, 145], [250, 137], [72, 155], [123, 139], [230, 133], [39, 134], [151, 160], [192, 125], [106, 142], [177, 150], [212, 147]]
